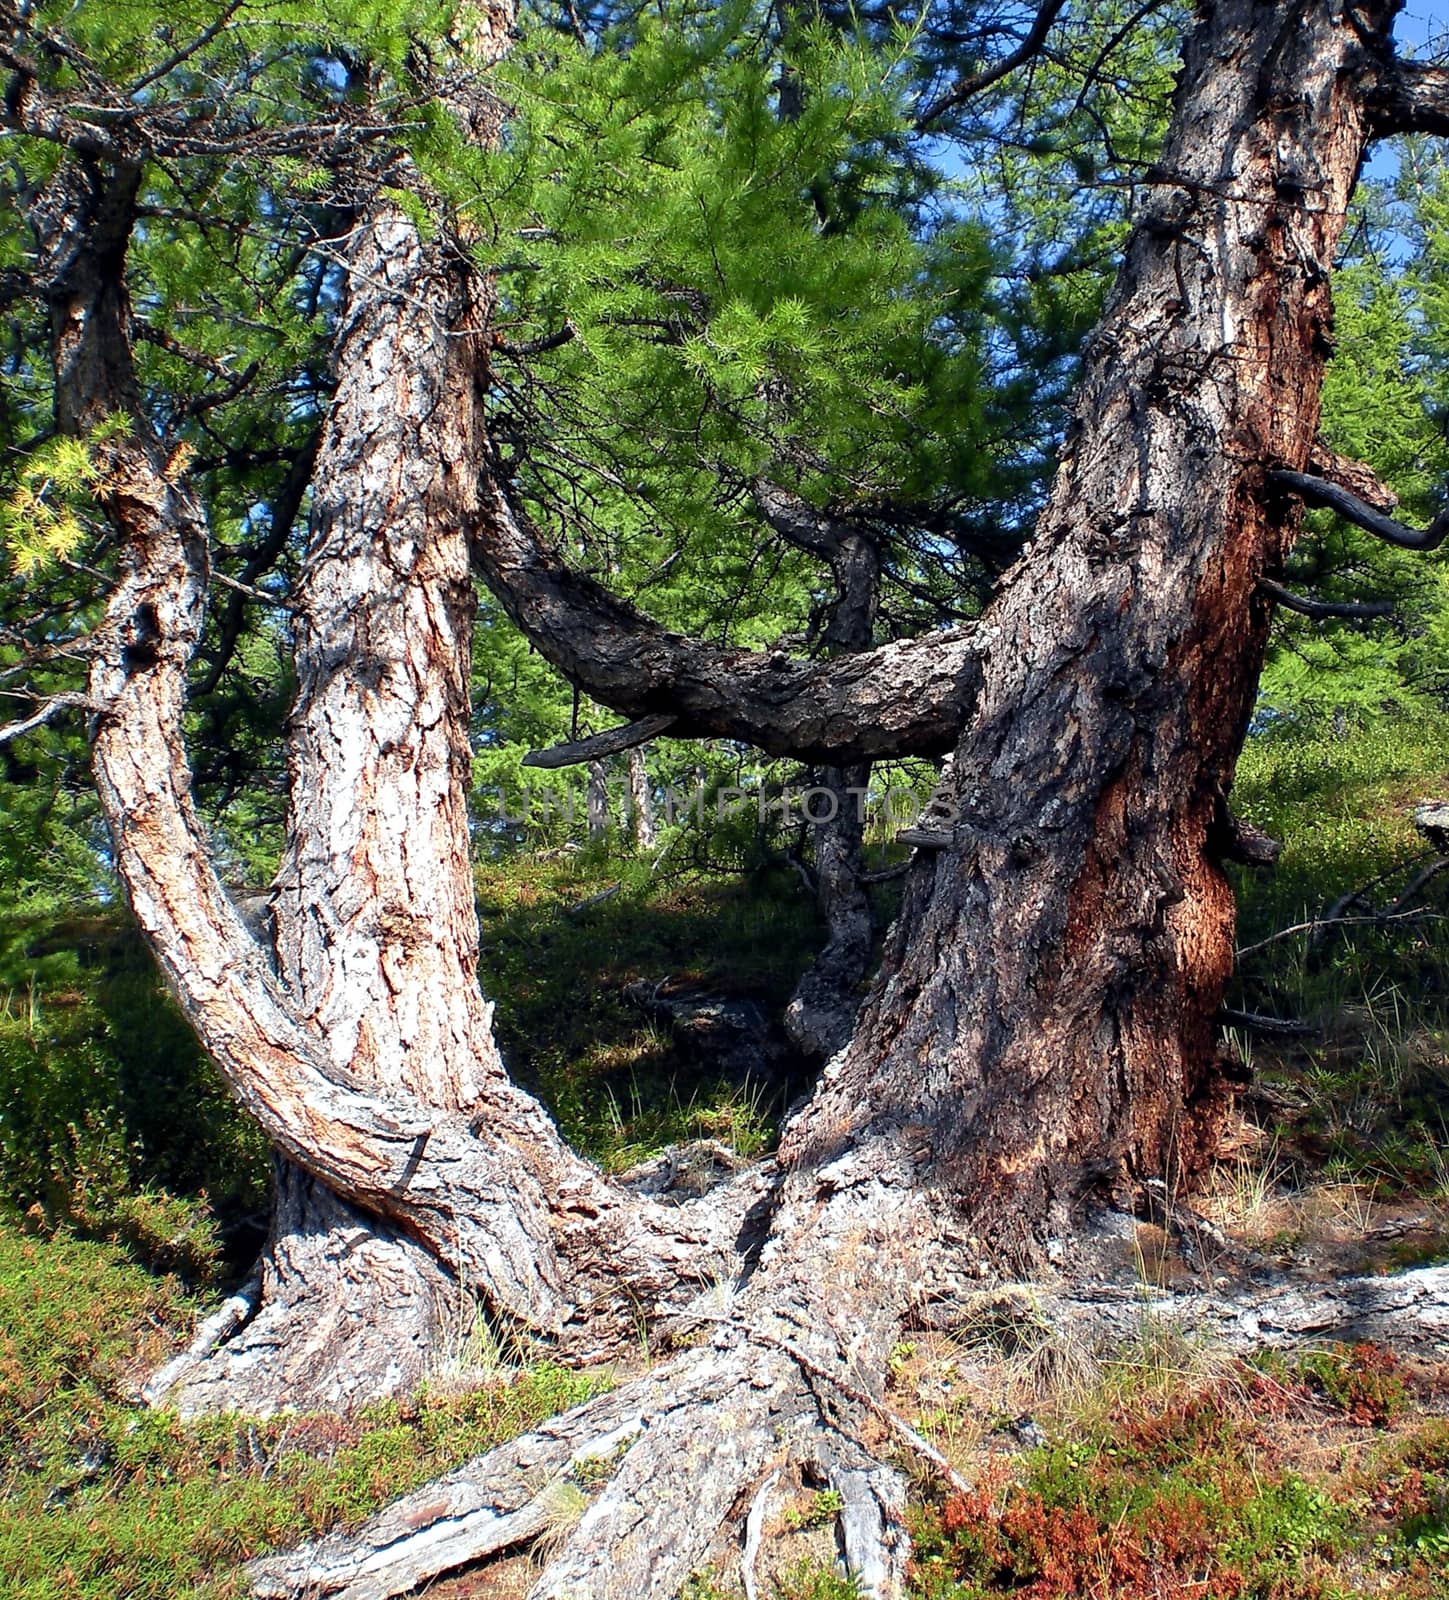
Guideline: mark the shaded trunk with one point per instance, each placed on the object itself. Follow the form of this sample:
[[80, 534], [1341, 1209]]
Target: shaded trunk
[[640, 800], [596, 802], [819, 1014]]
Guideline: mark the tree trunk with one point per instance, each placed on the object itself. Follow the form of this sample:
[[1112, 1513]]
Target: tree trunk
[[597, 803], [640, 802], [819, 1014], [1041, 1032], [1044, 1020], [432, 1180], [375, 932]]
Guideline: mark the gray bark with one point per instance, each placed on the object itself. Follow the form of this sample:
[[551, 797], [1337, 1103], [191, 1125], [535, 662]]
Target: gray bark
[[642, 831]]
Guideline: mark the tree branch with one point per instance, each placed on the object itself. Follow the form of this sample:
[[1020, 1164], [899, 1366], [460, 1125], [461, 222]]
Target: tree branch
[[1321, 492], [609, 743], [1324, 608], [1410, 97], [47, 713], [974, 84], [797, 521], [910, 697]]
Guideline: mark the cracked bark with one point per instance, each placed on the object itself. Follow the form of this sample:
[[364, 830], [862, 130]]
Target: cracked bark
[[1042, 1026]]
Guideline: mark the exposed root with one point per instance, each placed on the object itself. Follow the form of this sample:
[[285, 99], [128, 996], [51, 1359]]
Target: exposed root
[[236, 1310], [690, 1445], [343, 1311], [695, 1450], [491, 1504], [754, 1534], [1409, 1309]]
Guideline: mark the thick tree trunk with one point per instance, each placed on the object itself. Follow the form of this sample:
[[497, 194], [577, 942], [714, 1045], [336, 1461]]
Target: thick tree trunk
[[1044, 1022], [375, 932], [1041, 1031], [432, 1179]]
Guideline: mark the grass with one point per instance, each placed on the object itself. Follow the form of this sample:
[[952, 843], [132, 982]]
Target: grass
[[619, 1086], [106, 1500], [1366, 1098]]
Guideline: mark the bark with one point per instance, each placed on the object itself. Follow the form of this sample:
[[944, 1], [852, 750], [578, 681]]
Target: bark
[[596, 799], [1042, 1028], [442, 1181], [899, 699], [642, 831], [1044, 1023], [819, 1014]]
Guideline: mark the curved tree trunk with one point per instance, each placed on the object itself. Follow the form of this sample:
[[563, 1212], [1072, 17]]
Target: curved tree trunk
[[1041, 1031], [432, 1180]]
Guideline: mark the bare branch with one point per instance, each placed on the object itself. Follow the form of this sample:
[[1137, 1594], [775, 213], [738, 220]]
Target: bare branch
[[537, 347], [1377, 919], [185, 53], [1256, 1022], [1321, 492], [1324, 608], [1411, 97], [47, 713], [974, 84], [595, 748], [1347, 473]]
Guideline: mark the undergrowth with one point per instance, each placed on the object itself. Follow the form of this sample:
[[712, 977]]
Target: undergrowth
[[1275, 1479], [106, 1499], [1318, 1477]]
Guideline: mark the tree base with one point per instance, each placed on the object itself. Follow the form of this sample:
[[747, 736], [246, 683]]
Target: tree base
[[344, 1312], [697, 1454]]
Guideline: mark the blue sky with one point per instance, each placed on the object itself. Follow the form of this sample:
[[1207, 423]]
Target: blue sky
[[1422, 22]]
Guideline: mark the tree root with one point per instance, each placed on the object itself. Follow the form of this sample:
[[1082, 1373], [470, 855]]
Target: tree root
[[693, 1452], [341, 1311], [690, 1445], [1409, 1309]]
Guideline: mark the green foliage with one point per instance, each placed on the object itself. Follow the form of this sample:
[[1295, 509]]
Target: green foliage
[[1363, 1381], [90, 1084], [819, 1512], [811, 1579], [1375, 1100], [1385, 402], [41, 518]]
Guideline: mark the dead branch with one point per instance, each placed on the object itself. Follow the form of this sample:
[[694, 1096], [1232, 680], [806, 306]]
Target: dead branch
[[51, 709], [1324, 609], [1332, 496], [598, 746]]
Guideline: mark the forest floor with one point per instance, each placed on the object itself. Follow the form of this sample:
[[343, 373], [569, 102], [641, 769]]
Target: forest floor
[[1156, 1468]]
